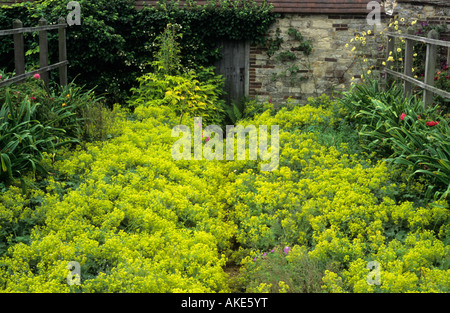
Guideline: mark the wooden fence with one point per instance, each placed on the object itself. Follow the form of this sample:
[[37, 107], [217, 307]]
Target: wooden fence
[[430, 63], [19, 51]]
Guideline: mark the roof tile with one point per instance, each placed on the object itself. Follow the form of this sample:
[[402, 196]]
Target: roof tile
[[304, 6]]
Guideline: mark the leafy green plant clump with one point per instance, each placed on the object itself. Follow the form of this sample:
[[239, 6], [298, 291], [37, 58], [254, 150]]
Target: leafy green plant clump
[[35, 121], [401, 130], [186, 92]]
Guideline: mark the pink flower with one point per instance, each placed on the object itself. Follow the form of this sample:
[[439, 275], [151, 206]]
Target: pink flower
[[37, 76], [432, 123], [207, 139], [287, 249], [402, 117]]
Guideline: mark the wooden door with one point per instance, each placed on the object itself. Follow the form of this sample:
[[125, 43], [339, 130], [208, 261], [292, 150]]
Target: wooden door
[[234, 68]]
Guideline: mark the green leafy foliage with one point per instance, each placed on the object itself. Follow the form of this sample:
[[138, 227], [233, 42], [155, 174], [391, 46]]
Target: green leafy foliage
[[245, 108], [116, 43], [138, 221], [186, 95], [35, 121], [303, 44], [399, 128], [425, 149], [283, 270], [23, 139]]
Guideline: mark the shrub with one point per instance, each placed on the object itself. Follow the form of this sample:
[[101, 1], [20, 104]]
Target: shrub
[[185, 94], [180, 89]]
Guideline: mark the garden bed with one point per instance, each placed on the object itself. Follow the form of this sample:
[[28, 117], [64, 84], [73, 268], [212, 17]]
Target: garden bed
[[136, 220]]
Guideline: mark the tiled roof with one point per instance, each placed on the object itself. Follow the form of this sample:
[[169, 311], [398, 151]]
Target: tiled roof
[[322, 6], [304, 6]]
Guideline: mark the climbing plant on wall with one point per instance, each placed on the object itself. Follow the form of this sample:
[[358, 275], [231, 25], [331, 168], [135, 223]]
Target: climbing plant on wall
[[289, 57]]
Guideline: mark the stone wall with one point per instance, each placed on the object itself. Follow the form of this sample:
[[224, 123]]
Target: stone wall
[[331, 65]]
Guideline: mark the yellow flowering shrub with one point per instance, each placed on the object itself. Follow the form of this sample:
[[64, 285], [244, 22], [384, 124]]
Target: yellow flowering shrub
[[341, 208], [136, 220], [133, 218]]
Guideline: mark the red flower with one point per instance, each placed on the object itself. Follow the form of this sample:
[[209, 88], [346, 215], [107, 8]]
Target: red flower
[[33, 98], [432, 123], [418, 117], [402, 117]]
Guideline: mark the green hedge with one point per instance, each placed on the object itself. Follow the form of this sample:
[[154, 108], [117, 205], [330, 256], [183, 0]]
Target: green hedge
[[115, 43]]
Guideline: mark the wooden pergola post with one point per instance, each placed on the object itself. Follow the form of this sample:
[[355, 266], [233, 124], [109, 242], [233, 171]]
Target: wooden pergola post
[[62, 52], [430, 68], [19, 50], [409, 43], [43, 51]]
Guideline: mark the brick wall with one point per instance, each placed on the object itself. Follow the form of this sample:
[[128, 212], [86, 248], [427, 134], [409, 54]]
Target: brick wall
[[331, 65]]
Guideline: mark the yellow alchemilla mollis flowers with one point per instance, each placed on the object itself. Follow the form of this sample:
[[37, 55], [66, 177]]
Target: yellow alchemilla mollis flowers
[[138, 221]]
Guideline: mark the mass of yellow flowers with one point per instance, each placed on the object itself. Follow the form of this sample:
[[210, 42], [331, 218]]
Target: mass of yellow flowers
[[138, 221]]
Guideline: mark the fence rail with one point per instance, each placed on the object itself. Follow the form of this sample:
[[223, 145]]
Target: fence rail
[[44, 68], [430, 63]]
